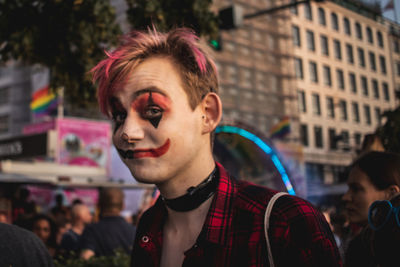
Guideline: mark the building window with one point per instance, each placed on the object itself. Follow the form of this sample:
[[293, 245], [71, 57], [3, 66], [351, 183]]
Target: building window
[[378, 115], [380, 39], [345, 138], [358, 31], [324, 45], [343, 110], [330, 107], [296, 36], [385, 89], [321, 16], [398, 68], [310, 41], [294, 9], [318, 137], [327, 76], [313, 71], [367, 114], [355, 111], [337, 48], [335, 21], [308, 11], [4, 128], [396, 46], [332, 139], [361, 57], [370, 37], [372, 61], [364, 85], [357, 139], [4, 95], [375, 88], [349, 51], [353, 82], [302, 101], [304, 134], [232, 74], [382, 62], [316, 104], [340, 78], [298, 68], [346, 25]]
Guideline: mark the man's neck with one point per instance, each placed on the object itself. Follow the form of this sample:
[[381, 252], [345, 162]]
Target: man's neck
[[78, 227], [190, 177], [190, 222]]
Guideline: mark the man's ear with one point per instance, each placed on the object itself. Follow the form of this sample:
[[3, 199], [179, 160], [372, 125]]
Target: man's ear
[[211, 112], [392, 191]]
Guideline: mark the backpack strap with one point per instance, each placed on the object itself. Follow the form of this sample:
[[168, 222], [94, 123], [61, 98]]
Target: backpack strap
[[266, 223]]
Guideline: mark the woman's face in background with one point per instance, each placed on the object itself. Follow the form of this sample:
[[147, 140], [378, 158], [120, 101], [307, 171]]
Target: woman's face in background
[[360, 195], [42, 229]]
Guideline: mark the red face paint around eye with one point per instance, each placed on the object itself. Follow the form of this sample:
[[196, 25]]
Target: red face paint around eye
[[142, 101]]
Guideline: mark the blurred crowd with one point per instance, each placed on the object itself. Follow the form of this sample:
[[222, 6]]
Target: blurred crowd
[[74, 231], [365, 224]]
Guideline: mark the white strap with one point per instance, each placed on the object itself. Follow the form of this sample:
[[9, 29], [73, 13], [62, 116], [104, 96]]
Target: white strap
[[266, 223]]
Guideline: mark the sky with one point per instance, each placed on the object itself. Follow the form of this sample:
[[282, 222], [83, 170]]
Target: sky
[[390, 14]]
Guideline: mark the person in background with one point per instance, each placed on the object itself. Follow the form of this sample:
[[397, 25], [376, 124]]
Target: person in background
[[21, 248], [111, 232], [161, 91], [374, 176], [384, 231], [45, 228], [24, 209], [60, 212], [80, 217]]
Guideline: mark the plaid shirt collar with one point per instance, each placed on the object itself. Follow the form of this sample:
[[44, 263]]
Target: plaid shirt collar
[[218, 222]]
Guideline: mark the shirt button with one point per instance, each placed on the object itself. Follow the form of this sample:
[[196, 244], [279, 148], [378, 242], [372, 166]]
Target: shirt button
[[145, 239]]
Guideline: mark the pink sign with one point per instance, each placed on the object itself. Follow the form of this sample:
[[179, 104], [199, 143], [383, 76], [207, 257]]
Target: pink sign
[[40, 127], [84, 142]]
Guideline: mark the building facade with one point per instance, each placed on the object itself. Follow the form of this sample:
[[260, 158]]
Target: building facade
[[345, 81], [15, 95], [333, 67]]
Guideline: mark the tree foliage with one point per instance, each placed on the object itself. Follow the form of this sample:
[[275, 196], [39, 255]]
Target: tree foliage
[[166, 14], [68, 36], [389, 133]]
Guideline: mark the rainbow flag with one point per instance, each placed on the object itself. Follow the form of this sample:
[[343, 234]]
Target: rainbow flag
[[43, 100], [281, 129]]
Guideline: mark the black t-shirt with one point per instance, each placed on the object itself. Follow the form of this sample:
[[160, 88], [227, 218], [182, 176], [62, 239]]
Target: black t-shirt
[[21, 248], [107, 235]]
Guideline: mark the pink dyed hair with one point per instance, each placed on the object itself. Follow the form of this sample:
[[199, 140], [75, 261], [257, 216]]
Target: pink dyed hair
[[197, 69]]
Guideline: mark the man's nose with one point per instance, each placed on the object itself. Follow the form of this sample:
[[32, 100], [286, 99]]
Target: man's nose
[[132, 129]]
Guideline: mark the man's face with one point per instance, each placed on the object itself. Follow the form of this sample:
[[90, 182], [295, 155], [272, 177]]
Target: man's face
[[156, 133]]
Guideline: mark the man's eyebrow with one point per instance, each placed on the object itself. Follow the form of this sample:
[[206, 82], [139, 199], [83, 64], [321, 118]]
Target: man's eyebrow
[[148, 90]]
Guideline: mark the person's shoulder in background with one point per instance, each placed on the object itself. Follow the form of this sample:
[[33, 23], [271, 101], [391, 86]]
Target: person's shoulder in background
[[20, 247]]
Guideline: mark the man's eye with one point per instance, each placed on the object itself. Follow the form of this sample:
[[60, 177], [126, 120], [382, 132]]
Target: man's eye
[[152, 112], [119, 117]]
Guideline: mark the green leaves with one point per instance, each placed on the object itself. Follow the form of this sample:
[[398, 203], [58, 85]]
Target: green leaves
[[67, 36], [70, 36], [166, 14]]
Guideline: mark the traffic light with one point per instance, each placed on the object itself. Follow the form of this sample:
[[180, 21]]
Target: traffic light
[[230, 17], [216, 43]]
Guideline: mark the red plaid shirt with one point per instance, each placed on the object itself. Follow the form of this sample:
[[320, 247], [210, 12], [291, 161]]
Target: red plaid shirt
[[233, 233]]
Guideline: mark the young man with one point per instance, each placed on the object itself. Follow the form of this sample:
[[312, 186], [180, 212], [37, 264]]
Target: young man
[[80, 218], [161, 91], [112, 232]]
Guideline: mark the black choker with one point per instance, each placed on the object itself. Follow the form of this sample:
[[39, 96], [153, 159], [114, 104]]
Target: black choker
[[196, 195]]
